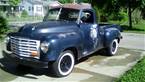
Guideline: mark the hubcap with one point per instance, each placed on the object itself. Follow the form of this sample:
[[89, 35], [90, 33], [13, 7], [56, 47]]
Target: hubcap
[[114, 46], [65, 64]]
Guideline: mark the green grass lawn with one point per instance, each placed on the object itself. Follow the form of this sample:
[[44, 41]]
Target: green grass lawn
[[141, 25], [137, 28], [136, 74]]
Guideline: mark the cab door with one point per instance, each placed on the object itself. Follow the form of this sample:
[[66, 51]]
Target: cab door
[[90, 31]]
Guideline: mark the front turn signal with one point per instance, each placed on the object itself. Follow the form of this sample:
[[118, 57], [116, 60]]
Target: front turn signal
[[34, 53]]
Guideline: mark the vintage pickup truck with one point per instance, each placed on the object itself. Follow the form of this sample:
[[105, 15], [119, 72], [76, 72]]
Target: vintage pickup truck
[[66, 34]]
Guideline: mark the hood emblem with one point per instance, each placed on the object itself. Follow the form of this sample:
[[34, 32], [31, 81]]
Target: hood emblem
[[33, 28]]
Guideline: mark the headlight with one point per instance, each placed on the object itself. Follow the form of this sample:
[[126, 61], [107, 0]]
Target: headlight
[[44, 46], [7, 39]]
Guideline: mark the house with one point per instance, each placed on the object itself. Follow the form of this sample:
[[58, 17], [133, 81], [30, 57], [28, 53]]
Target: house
[[37, 7], [4, 5], [6, 9], [47, 4], [33, 8]]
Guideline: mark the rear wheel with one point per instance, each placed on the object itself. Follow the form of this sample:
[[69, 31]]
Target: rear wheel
[[64, 65], [113, 47]]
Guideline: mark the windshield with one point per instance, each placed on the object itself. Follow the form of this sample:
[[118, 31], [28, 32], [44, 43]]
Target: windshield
[[62, 14]]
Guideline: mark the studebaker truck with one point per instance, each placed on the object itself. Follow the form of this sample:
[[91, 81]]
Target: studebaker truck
[[66, 34]]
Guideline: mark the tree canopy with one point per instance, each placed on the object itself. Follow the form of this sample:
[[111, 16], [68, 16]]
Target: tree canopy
[[14, 2], [116, 9]]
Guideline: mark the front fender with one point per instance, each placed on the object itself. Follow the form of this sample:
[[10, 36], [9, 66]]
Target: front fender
[[59, 44]]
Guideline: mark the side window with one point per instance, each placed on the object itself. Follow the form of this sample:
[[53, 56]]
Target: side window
[[29, 8], [87, 17]]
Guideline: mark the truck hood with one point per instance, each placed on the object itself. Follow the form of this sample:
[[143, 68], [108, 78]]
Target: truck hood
[[42, 29]]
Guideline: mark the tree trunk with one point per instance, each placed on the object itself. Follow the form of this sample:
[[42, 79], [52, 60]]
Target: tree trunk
[[129, 14], [74, 1]]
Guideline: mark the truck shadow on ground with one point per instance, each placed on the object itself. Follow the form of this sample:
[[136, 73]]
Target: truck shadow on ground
[[10, 67], [22, 71], [124, 57]]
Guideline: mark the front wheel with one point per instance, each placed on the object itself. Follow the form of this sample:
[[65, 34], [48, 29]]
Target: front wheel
[[113, 47], [64, 65]]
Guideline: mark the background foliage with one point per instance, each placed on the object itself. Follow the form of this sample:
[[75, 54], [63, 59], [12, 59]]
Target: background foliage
[[3, 26], [114, 8], [24, 14], [14, 2], [117, 10]]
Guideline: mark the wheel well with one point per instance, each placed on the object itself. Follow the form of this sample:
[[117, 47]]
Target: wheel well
[[118, 39], [75, 52]]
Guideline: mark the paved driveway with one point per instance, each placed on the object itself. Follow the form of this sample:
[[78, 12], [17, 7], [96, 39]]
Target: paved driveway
[[133, 41], [95, 68]]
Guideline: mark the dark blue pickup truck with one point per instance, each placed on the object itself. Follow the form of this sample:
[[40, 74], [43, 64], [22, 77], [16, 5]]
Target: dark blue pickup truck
[[66, 34]]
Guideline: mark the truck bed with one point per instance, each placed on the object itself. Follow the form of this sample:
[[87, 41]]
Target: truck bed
[[105, 26]]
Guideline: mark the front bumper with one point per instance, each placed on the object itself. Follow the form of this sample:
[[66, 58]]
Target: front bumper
[[26, 61]]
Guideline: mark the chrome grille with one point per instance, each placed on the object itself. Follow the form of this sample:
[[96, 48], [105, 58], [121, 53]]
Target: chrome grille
[[24, 47]]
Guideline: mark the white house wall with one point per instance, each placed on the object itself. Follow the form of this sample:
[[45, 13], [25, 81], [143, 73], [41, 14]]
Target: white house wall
[[26, 6], [38, 10]]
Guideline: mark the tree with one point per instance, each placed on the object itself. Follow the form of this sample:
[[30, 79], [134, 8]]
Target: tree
[[14, 2], [114, 6], [143, 8], [131, 5], [129, 13]]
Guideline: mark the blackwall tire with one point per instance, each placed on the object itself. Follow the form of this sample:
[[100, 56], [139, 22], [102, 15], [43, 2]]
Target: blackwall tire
[[64, 65]]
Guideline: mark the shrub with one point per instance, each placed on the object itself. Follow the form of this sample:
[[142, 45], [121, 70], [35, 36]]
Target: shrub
[[136, 16], [3, 26], [3, 13], [103, 16], [24, 13], [118, 16], [123, 15]]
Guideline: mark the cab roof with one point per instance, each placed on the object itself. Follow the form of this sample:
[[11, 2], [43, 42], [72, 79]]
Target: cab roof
[[77, 6]]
